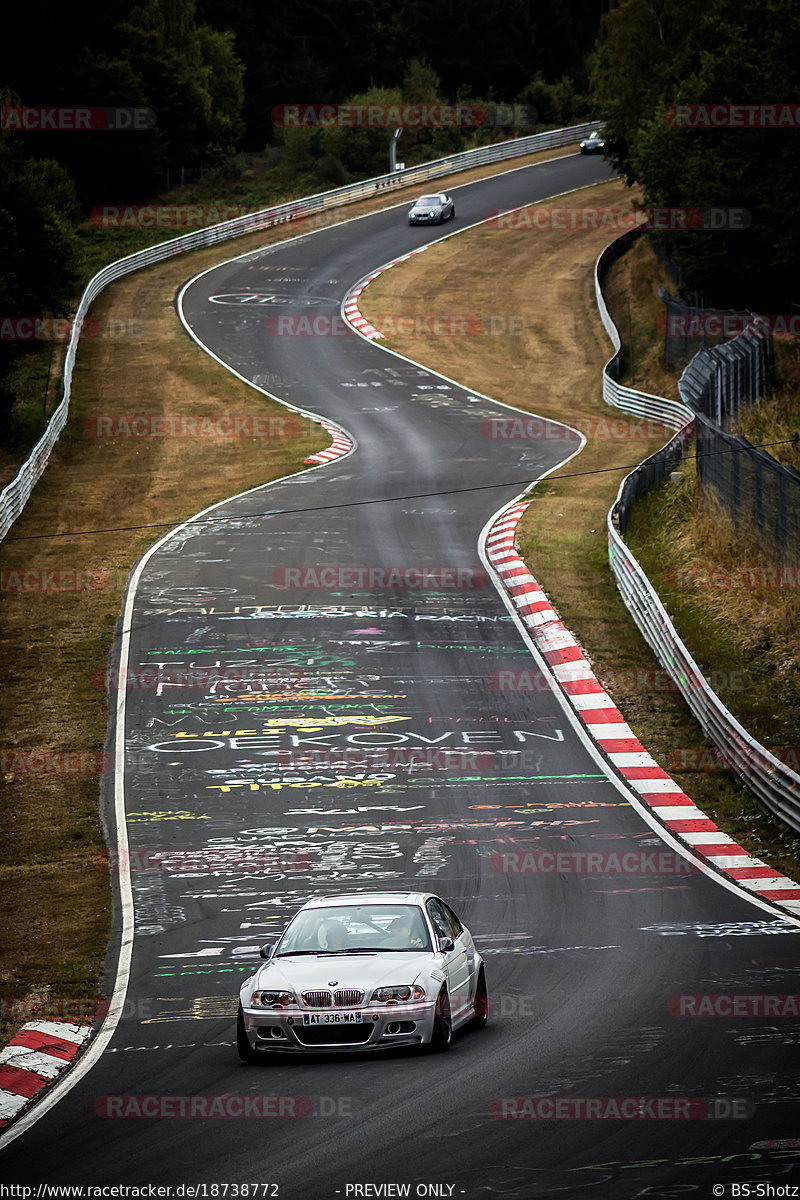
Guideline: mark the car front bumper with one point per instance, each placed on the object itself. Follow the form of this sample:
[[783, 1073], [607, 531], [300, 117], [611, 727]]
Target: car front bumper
[[284, 1031]]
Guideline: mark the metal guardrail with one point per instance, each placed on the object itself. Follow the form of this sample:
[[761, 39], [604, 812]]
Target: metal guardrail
[[641, 404], [773, 783], [15, 496]]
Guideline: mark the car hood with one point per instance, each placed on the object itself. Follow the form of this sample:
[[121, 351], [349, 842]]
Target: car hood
[[422, 208], [349, 970]]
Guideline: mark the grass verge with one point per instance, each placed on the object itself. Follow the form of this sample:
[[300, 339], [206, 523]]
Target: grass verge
[[549, 361]]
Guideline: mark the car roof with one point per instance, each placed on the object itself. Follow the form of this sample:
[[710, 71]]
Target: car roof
[[417, 898]]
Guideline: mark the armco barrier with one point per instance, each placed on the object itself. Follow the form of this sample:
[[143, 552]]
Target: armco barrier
[[775, 785], [670, 412], [15, 496]]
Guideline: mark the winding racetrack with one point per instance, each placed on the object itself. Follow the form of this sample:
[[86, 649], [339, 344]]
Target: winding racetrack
[[581, 966]]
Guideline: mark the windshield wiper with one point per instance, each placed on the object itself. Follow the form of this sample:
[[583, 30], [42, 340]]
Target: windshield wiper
[[355, 950], [348, 950], [296, 953]]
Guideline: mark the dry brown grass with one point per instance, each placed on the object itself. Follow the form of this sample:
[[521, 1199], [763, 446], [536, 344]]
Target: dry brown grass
[[553, 368], [775, 421]]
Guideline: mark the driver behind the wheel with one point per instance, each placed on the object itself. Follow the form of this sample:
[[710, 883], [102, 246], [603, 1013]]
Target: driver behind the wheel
[[405, 933], [333, 936]]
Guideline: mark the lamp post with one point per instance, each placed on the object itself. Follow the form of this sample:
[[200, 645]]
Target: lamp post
[[393, 148]]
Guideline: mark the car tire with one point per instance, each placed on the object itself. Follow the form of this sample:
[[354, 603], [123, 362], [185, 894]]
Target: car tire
[[481, 1009], [246, 1052], [453, 214], [442, 1036]]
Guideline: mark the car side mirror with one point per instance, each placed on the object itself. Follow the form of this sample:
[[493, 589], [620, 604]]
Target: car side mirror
[[445, 944], [267, 950]]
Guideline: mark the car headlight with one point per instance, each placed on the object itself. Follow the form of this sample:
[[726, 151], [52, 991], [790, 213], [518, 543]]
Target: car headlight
[[398, 993], [264, 999]]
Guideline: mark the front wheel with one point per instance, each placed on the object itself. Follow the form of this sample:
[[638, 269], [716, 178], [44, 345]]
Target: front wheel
[[442, 1025], [481, 1007], [453, 214], [246, 1052]]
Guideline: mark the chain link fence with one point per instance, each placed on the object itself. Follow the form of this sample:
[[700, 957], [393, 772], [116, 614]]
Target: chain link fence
[[760, 495], [722, 380], [689, 328]]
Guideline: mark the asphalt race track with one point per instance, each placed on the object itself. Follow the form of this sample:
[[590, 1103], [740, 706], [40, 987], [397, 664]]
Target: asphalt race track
[[299, 626]]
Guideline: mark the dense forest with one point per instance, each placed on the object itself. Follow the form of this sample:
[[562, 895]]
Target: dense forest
[[200, 85], [734, 70]]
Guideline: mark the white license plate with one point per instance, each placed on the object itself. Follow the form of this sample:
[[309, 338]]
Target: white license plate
[[346, 1018]]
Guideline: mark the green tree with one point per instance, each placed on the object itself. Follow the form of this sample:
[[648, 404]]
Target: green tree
[[38, 247], [361, 149], [224, 82], [654, 54], [639, 60], [756, 169]]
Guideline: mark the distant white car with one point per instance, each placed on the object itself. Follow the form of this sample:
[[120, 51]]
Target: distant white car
[[364, 971], [432, 209]]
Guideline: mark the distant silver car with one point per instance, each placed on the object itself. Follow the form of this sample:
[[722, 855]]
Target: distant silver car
[[364, 971], [595, 143], [432, 210]]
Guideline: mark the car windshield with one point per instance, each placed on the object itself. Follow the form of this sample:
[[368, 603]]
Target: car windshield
[[353, 928], [427, 201]]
